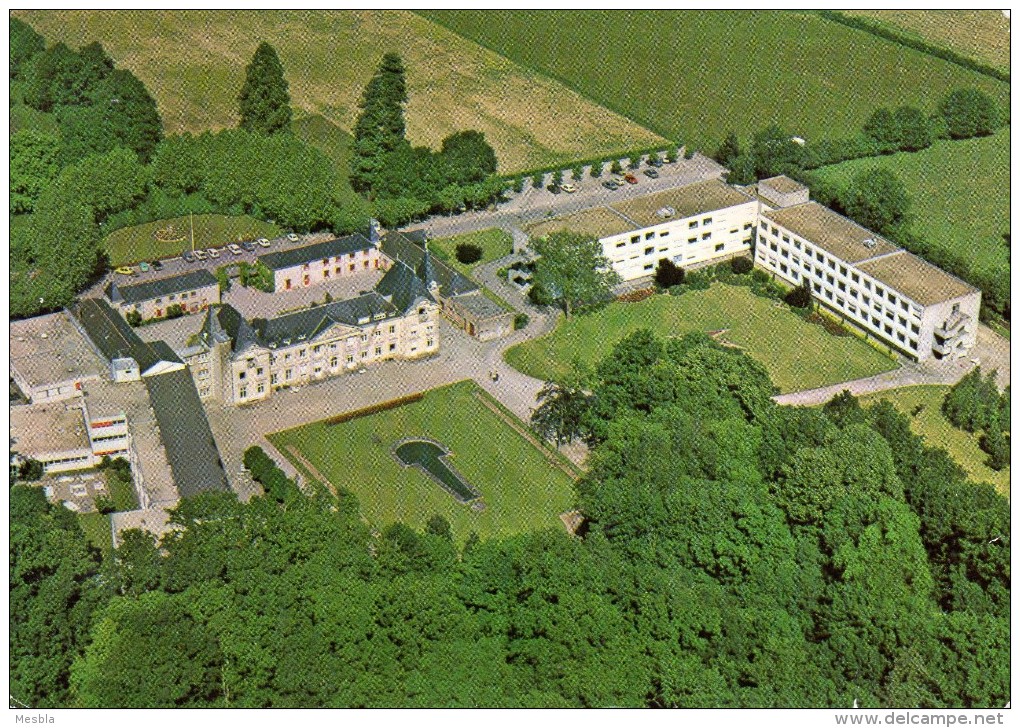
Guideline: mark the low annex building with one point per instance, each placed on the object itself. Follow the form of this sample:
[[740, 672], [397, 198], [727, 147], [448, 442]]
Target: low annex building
[[192, 292], [311, 265], [899, 298], [50, 358], [66, 436]]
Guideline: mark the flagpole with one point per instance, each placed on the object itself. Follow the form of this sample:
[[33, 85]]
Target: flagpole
[[191, 217]]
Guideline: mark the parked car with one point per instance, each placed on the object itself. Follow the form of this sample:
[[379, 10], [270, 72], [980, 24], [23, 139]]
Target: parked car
[[570, 189], [248, 245], [200, 254], [292, 237], [610, 185], [234, 249], [631, 179], [263, 242], [617, 179], [655, 162], [555, 189], [156, 265], [143, 267], [213, 252], [126, 270], [651, 173], [189, 257]]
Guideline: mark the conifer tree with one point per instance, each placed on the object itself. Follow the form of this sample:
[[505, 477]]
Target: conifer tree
[[379, 130], [265, 99]]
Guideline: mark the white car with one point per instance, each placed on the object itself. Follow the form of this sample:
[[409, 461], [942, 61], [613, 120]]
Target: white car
[[292, 237], [235, 249], [213, 253], [200, 254], [569, 188], [262, 243]]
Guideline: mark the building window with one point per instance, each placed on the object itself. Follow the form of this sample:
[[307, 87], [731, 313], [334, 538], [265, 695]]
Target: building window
[[333, 361], [647, 266], [634, 238], [782, 267], [775, 230], [693, 240], [786, 238], [888, 329], [828, 294], [664, 234], [429, 342], [258, 372], [719, 247], [785, 253], [841, 286], [855, 278], [817, 287], [621, 244], [747, 226], [261, 389], [692, 225], [707, 221], [706, 236], [378, 350], [350, 358], [649, 236], [902, 321], [241, 375], [243, 392], [649, 251], [829, 279], [303, 353], [274, 378], [913, 327], [393, 347], [913, 344], [773, 247], [819, 257]]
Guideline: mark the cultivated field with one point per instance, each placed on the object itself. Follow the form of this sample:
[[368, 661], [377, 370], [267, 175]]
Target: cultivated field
[[979, 34], [495, 244], [960, 193], [693, 76], [521, 490], [798, 355], [138, 242], [193, 63], [937, 431]]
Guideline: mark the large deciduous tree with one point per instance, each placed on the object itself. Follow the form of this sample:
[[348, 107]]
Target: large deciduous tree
[[969, 112], [877, 199], [572, 269], [468, 157], [264, 102], [34, 164], [25, 45]]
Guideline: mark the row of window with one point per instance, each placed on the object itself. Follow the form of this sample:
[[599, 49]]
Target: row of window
[[173, 297]]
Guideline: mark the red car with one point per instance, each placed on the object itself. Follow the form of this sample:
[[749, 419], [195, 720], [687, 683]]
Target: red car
[[631, 179]]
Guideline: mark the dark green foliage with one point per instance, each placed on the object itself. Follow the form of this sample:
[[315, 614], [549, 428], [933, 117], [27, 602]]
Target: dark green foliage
[[844, 409], [616, 167], [596, 169], [25, 45], [882, 129], [969, 112], [877, 200], [536, 181], [799, 297], [379, 129], [772, 152], [61, 77], [34, 164], [30, 470], [521, 321], [728, 151], [264, 102], [267, 473], [668, 274], [572, 271], [561, 412], [914, 129], [576, 172], [741, 266], [996, 443], [468, 253], [974, 403]]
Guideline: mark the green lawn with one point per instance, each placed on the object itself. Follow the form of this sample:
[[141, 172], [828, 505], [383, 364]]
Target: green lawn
[[960, 193], [97, 530], [520, 489], [122, 493], [694, 75], [495, 243], [798, 355], [132, 244], [937, 431]]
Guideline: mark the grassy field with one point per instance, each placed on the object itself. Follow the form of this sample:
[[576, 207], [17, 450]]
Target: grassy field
[[937, 431], [329, 138], [97, 530], [132, 244], [193, 63], [979, 34], [798, 355], [693, 76], [495, 243], [521, 490], [960, 193]]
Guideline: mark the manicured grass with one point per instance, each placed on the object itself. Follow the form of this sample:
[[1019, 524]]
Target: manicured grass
[[798, 355], [193, 63], [519, 487], [937, 431], [495, 244], [695, 75], [132, 244], [979, 34], [122, 492], [960, 193], [97, 530]]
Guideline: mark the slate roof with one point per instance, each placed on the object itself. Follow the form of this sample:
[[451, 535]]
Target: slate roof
[[402, 286], [160, 287], [223, 323], [310, 253], [403, 248], [184, 429], [114, 337]]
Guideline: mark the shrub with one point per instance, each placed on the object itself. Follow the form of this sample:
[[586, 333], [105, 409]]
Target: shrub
[[536, 181], [518, 184], [557, 178], [616, 167], [688, 154], [381, 407], [799, 297], [741, 266], [576, 173], [668, 274], [30, 470], [596, 169], [134, 318], [468, 253], [521, 320], [174, 310]]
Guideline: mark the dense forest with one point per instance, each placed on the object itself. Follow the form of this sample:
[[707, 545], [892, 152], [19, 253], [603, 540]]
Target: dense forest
[[737, 553]]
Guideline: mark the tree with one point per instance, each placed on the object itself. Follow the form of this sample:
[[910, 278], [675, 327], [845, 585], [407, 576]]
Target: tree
[[844, 409], [468, 157], [30, 469], [616, 167], [913, 128], [264, 102], [596, 169], [34, 164], [561, 411], [741, 266], [969, 112], [379, 129], [773, 152], [877, 200], [996, 443], [536, 180], [729, 150], [799, 297], [108, 182], [65, 234], [25, 45], [61, 77], [468, 253], [668, 274], [572, 269], [883, 128]]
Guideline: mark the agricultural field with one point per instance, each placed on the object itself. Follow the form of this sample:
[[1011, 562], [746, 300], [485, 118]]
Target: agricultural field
[[960, 193], [980, 34], [937, 431], [193, 64], [521, 489], [797, 354], [694, 76], [495, 244], [138, 242]]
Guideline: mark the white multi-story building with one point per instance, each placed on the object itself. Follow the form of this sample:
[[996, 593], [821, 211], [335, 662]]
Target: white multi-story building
[[887, 292]]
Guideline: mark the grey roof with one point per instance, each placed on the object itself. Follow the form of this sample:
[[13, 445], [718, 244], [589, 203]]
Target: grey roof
[[402, 247], [114, 337], [225, 323], [160, 287], [306, 325], [479, 306], [190, 447], [402, 286], [309, 253]]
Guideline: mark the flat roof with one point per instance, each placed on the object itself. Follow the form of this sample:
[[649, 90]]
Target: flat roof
[[598, 221], [830, 231], [916, 278], [48, 428], [687, 201], [479, 306], [782, 184], [51, 349]]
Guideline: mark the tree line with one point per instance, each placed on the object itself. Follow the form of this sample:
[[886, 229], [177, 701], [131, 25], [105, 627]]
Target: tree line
[[735, 553], [975, 404]]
